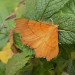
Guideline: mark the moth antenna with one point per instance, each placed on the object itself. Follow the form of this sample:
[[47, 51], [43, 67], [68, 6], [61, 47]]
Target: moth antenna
[[63, 31], [52, 20]]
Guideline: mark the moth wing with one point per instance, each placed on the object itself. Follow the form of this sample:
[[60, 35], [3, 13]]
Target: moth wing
[[40, 36]]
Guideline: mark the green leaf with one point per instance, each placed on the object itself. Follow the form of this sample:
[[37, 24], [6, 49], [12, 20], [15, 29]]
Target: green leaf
[[19, 45], [6, 8], [3, 41], [73, 54], [26, 70], [2, 68], [66, 23], [45, 68], [71, 67], [66, 51], [69, 7], [17, 62], [41, 9], [17, 40]]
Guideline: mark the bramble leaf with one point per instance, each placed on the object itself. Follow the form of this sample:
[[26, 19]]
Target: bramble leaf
[[6, 8], [69, 8], [71, 67], [19, 60], [17, 40], [66, 24], [41, 9], [2, 68]]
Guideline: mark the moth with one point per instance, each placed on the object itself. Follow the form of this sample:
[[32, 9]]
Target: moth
[[42, 37]]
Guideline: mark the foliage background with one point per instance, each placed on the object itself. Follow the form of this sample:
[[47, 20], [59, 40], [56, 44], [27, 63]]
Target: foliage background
[[62, 12]]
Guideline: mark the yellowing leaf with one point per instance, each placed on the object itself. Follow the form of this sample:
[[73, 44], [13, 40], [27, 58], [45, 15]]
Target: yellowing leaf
[[6, 53]]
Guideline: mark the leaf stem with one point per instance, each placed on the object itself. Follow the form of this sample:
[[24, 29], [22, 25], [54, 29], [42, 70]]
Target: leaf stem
[[63, 30], [13, 14]]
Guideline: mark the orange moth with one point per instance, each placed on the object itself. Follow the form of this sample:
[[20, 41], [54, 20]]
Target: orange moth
[[42, 37]]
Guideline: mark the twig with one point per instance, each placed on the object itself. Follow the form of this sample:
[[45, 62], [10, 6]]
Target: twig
[[13, 15], [20, 3]]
